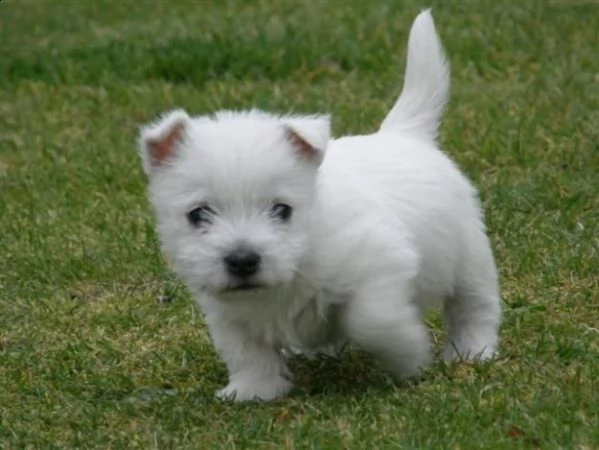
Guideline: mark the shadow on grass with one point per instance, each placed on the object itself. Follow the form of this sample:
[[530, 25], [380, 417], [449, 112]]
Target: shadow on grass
[[353, 373]]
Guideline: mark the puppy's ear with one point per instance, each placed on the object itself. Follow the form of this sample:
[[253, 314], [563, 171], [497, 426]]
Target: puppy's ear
[[159, 141], [309, 136]]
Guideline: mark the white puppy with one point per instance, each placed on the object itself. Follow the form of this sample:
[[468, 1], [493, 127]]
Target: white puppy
[[292, 240]]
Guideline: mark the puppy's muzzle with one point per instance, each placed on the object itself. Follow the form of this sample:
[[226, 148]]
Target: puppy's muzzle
[[242, 263]]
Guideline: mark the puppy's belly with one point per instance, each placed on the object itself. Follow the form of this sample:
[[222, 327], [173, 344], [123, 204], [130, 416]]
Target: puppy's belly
[[314, 329], [296, 318]]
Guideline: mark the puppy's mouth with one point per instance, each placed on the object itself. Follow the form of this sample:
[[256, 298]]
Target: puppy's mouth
[[245, 287], [241, 285]]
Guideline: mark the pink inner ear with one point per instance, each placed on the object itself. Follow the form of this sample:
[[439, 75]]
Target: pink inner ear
[[163, 147], [303, 148]]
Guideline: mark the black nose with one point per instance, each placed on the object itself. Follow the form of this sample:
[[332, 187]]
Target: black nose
[[242, 263]]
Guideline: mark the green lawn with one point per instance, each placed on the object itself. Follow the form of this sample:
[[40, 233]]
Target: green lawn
[[90, 359]]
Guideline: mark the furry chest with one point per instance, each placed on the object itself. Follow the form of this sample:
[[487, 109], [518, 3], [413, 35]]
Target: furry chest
[[302, 322]]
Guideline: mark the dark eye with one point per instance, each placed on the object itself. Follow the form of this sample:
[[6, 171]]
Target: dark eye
[[281, 211], [202, 215]]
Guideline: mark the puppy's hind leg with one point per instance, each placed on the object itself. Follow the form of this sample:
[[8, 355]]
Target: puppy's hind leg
[[473, 314], [381, 319]]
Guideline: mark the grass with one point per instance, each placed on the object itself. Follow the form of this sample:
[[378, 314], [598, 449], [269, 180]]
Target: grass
[[90, 359]]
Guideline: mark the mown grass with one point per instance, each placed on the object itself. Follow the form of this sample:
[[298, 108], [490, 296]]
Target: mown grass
[[90, 359]]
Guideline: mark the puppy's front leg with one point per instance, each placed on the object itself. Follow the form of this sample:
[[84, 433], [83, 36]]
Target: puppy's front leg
[[382, 319], [256, 370]]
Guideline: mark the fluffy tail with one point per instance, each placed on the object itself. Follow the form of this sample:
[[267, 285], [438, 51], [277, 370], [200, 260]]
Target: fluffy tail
[[425, 92]]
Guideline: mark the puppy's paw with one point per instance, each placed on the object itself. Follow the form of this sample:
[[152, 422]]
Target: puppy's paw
[[479, 353], [241, 389], [410, 366]]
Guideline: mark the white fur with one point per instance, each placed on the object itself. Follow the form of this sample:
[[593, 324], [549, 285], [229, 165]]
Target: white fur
[[382, 227], [426, 86]]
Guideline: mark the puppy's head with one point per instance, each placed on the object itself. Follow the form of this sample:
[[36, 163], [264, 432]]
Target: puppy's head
[[233, 193]]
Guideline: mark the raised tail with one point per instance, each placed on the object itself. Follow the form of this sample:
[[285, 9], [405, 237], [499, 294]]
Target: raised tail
[[419, 108]]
